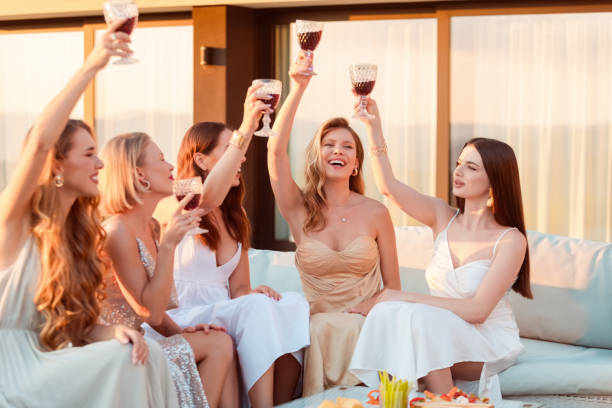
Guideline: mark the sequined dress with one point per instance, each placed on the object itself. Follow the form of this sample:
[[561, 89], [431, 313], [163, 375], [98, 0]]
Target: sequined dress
[[116, 310]]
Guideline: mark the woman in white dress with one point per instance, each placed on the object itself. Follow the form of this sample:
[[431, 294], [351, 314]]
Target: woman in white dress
[[140, 284], [212, 270], [52, 351], [465, 329]]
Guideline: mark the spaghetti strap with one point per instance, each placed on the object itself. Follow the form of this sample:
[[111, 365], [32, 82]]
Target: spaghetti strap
[[451, 221], [499, 239]]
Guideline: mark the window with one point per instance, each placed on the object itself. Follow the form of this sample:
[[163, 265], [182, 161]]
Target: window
[[35, 66], [543, 84], [155, 95], [405, 52]]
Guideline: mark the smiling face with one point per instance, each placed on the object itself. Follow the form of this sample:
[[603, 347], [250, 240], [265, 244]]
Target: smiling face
[[81, 165], [208, 161], [470, 179], [155, 169], [338, 154]]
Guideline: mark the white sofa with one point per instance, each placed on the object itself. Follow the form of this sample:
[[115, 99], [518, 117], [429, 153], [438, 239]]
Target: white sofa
[[566, 328]]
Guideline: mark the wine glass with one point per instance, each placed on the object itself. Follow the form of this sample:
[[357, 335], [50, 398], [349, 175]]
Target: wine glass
[[269, 94], [122, 9], [181, 188], [363, 78], [309, 35]]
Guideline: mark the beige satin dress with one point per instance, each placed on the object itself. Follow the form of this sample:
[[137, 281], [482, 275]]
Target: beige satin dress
[[334, 281]]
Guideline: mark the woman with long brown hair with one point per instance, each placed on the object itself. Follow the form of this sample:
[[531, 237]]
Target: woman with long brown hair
[[53, 352], [212, 270], [465, 330], [345, 241]]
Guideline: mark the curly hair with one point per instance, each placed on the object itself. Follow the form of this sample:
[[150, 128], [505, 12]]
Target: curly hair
[[70, 286]]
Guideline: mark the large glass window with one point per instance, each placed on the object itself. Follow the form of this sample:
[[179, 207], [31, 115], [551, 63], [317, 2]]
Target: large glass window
[[34, 68], [154, 95], [405, 52], [543, 84]]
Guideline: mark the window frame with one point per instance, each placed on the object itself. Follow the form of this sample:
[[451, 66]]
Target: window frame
[[443, 12]]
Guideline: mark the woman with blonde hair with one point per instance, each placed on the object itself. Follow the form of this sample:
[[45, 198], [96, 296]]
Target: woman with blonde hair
[[140, 286], [212, 270], [480, 254], [53, 352], [345, 241]]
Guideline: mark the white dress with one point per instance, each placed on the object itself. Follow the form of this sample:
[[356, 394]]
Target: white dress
[[262, 328], [409, 340], [98, 375]]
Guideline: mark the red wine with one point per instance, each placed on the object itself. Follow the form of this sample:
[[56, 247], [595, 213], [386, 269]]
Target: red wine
[[309, 40], [363, 88], [273, 101], [192, 204], [128, 26]]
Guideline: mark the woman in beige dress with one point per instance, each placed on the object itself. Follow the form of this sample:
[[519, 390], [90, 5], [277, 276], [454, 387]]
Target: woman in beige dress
[[52, 351], [345, 241]]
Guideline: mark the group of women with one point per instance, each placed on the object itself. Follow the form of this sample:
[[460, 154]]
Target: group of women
[[71, 284]]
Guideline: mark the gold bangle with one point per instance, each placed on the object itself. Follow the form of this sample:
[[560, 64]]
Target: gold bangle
[[237, 139], [376, 150]]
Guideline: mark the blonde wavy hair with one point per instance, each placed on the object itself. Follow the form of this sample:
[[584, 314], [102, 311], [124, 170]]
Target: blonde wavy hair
[[70, 285], [118, 179], [314, 171]]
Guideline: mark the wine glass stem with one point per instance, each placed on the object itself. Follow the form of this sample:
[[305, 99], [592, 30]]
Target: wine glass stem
[[363, 103], [266, 121]]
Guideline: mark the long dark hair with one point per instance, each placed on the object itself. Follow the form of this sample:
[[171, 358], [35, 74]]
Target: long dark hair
[[502, 169], [203, 137]]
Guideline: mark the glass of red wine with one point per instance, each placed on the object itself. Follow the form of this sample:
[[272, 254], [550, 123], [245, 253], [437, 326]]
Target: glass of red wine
[[309, 35], [363, 78], [269, 93], [181, 188], [122, 9]]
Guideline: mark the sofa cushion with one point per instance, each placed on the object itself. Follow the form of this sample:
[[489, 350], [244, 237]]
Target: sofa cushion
[[571, 281], [554, 368], [274, 269]]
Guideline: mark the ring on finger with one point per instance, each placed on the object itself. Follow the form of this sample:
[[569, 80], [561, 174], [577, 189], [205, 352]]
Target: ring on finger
[[113, 36]]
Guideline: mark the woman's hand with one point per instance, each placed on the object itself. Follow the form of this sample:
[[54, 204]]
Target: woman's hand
[[254, 108], [364, 307], [112, 43], [268, 291], [297, 69], [371, 107], [206, 328], [392, 295], [180, 223], [140, 350]]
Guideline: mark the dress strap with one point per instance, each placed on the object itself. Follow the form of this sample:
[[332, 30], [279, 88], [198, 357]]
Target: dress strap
[[451, 220], [500, 237]]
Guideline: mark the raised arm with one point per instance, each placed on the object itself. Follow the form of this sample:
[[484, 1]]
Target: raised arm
[[15, 198], [218, 182], [286, 191], [148, 297], [431, 211]]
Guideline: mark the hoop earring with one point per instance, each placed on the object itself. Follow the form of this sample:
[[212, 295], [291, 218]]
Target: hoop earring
[[58, 180], [355, 171], [146, 185], [490, 201]]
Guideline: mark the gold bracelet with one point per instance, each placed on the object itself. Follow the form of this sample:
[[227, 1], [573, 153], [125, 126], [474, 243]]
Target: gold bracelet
[[237, 139], [376, 150]]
